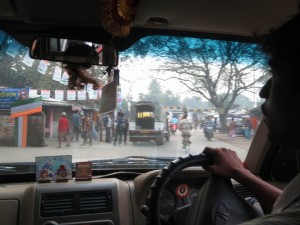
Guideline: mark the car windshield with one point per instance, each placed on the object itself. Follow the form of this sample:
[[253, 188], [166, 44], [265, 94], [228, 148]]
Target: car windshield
[[126, 121]]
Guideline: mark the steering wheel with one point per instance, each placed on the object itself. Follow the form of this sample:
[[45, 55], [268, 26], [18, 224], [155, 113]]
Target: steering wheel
[[217, 202]]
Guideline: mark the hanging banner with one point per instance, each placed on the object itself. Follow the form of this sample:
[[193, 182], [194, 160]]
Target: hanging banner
[[99, 94], [59, 95], [92, 94], [71, 95], [32, 93], [9, 95], [13, 48], [89, 87], [64, 79], [43, 67], [57, 73], [81, 95], [27, 60], [45, 94]]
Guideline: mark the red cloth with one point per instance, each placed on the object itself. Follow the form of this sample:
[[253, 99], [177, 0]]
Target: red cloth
[[254, 122], [63, 124]]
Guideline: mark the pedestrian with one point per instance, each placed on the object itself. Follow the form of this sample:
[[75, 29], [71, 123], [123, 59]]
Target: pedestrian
[[95, 133], [63, 130], [281, 93], [125, 131], [184, 109], [254, 122], [98, 127], [107, 124], [248, 127], [185, 126], [87, 130], [76, 125], [232, 129], [119, 128]]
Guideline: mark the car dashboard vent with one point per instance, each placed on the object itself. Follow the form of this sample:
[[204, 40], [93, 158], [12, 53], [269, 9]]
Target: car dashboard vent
[[95, 202], [75, 203]]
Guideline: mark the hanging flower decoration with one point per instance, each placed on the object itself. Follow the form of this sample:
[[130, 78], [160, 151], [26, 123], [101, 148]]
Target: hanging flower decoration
[[117, 16], [79, 77]]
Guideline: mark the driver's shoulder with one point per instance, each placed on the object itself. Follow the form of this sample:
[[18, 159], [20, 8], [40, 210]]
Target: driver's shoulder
[[285, 217]]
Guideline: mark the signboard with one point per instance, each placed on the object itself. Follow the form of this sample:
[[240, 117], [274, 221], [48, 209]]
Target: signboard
[[9, 95]]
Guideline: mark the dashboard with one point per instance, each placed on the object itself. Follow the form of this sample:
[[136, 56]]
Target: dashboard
[[101, 201]]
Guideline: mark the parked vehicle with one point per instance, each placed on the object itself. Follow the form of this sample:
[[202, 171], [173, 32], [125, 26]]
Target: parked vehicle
[[148, 122]]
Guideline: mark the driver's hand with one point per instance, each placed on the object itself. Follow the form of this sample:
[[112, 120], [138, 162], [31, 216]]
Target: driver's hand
[[226, 162]]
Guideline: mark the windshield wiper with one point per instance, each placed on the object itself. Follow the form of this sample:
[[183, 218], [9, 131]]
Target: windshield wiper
[[133, 162], [7, 169]]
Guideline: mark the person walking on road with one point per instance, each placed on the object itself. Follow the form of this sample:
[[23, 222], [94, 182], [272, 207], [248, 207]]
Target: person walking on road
[[185, 126], [248, 127], [125, 130], [107, 123], [76, 123], [119, 128], [98, 127], [63, 130], [87, 130], [232, 129]]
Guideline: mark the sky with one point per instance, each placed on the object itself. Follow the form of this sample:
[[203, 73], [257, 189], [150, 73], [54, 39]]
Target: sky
[[136, 77]]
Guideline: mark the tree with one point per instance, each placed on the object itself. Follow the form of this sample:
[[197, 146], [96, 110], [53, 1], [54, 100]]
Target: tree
[[195, 102], [156, 94], [219, 71], [243, 102]]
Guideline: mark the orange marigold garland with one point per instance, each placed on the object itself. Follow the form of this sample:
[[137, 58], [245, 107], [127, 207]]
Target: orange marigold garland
[[117, 16]]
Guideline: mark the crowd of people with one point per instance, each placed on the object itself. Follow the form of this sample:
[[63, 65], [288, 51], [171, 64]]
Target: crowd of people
[[248, 124], [92, 129]]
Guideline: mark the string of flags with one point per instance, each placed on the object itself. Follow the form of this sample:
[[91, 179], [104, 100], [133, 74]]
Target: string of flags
[[66, 94], [58, 75], [13, 50]]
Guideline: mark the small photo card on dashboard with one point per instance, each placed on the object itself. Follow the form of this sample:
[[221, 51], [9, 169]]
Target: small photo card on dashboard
[[53, 168], [83, 171]]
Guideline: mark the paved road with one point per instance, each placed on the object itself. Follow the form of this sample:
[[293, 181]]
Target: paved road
[[102, 150]]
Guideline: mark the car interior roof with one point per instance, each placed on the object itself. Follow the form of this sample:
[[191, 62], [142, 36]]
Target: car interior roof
[[230, 19]]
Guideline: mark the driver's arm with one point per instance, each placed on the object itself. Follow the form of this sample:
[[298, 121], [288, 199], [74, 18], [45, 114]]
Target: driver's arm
[[227, 164]]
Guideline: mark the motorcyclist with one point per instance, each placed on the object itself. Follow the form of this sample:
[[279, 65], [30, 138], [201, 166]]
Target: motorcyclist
[[185, 126], [208, 123], [174, 121]]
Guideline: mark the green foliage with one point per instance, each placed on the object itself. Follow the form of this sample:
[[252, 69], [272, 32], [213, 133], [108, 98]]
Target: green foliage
[[218, 71], [156, 94], [196, 102]]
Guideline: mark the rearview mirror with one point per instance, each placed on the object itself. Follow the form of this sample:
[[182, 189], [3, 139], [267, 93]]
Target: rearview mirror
[[73, 51]]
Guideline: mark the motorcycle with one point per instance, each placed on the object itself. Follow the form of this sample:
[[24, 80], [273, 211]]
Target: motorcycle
[[209, 131], [173, 128]]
